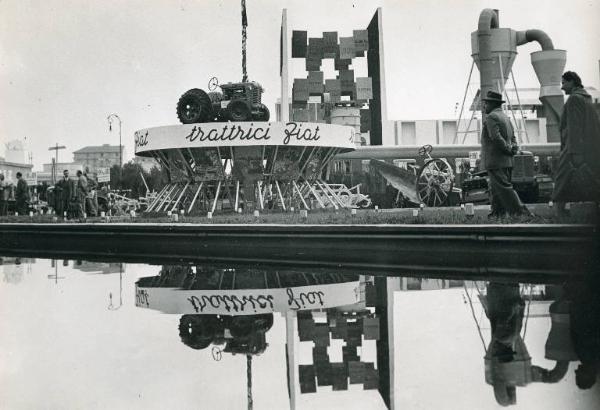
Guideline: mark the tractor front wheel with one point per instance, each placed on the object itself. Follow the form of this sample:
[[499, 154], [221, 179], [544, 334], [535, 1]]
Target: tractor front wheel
[[239, 111]]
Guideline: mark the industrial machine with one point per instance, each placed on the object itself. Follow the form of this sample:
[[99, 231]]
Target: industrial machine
[[237, 102]]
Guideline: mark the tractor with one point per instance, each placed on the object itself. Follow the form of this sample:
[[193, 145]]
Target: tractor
[[236, 102]]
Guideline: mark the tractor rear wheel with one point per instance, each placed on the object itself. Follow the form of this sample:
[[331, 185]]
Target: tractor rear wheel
[[194, 106], [239, 111]]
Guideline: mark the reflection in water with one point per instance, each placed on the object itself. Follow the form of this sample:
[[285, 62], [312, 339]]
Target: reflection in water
[[585, 329], [325, 307], [574, 335], [318, 339]]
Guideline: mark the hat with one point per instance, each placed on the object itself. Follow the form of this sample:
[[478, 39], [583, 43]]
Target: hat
[[493, 96]]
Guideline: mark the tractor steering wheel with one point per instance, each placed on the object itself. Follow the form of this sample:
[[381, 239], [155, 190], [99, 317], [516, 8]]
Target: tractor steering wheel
[[425, 150], [213, 83]]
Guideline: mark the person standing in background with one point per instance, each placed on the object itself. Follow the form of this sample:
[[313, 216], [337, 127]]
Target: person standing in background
[[22, 195], [4, 195], [498, 146], [577, 178]]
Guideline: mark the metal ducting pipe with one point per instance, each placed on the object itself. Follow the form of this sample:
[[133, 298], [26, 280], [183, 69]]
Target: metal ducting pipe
[[549, 65], [527, 36], [488, 20]]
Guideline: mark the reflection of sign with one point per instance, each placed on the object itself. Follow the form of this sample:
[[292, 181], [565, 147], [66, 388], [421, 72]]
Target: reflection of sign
[[222, 134], [248, 301]]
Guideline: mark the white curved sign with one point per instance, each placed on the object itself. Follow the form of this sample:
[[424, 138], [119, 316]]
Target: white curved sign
[[247, 301], [220, 134]]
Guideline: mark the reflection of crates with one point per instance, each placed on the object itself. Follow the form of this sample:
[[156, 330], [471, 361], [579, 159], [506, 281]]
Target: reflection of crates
[[523, 168]]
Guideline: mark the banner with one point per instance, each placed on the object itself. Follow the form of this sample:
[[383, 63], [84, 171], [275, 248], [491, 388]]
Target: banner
[[232, 134], [247, 301]]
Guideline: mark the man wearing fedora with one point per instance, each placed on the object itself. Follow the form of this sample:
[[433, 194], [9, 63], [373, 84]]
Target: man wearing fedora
[[498, 146]]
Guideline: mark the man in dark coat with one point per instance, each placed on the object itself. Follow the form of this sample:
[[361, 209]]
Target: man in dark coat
[[82, 190], [498, 146], [578, 175], [22, 195], [62, 194]]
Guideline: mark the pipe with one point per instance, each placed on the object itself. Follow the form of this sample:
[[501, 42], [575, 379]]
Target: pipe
[[488, 20], [527, 36]]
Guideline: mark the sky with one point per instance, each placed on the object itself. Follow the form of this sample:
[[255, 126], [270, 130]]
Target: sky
[[65, 65]]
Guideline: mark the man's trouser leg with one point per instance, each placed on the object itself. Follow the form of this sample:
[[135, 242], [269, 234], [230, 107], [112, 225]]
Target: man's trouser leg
[[503, 191]]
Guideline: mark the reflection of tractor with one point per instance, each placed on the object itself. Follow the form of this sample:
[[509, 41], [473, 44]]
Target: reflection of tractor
[[236, 102]]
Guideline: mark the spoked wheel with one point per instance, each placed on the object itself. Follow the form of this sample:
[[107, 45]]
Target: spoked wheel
[[194, 106], [434, 182], [239, 111]]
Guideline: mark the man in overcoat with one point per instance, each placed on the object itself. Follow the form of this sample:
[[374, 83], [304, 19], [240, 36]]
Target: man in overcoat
[[577, 178], [498, 146], [22, 195], [63, 194]]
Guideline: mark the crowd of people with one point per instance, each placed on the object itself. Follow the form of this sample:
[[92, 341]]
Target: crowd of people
[[77, 197], [72, 197]]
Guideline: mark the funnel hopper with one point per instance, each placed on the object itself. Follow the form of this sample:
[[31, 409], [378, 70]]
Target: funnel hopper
[[549, 66], [553, 105]]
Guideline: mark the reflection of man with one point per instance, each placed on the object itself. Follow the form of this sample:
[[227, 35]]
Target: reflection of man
[[498, 146], [585, 329], [507, 361]]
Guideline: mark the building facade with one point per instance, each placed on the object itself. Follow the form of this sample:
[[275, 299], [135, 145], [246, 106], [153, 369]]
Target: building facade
[[10, 169], [97, 158]]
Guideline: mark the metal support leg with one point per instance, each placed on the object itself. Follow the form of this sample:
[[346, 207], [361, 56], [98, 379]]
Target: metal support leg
[[237, 195], [279, 194], [179, 197], [195, 197], [260, 195], [167, 196], [333, 194], [158, 197], [317, 197], [214, 206], [300, 195], [335, 206]]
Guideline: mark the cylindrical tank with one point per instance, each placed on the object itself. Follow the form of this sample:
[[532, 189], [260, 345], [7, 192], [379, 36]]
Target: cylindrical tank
[[494, 57]]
